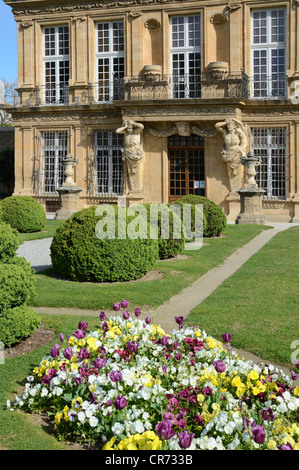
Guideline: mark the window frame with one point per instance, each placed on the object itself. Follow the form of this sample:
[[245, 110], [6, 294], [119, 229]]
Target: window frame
[[114, 175], [271, 84], [57, 91], [59, 150]]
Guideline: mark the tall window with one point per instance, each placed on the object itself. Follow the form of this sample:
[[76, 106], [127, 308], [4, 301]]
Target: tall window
[[269, 143], [110, 59], [56, 64], [54, 148], [268, 49], [108, 163], [185, 56]]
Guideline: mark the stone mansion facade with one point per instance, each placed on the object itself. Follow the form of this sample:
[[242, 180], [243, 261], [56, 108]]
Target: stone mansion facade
[[156, 99]]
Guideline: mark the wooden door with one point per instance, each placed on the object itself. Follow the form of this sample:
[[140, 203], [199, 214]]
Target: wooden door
[[186, 166]]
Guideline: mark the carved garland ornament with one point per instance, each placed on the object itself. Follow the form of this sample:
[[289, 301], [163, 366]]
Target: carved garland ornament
[[183, 129]]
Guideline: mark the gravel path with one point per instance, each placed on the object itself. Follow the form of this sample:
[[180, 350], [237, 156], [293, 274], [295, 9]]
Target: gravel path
[[37, 252]]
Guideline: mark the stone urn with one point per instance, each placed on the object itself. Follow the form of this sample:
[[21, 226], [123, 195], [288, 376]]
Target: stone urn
[[217, 69], [250, 162], [69, 162], [152, 72]]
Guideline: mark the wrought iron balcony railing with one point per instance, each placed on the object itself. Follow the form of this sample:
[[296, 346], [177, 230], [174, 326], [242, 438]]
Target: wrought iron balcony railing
[[264, 87], [184, 86], [50, 95], [207, 85]]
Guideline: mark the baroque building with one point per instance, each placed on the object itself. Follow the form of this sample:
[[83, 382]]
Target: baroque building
[[156, 99]]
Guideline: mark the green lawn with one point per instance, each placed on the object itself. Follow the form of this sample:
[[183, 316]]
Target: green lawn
[[178, 274], [259, 304], [18, 430]]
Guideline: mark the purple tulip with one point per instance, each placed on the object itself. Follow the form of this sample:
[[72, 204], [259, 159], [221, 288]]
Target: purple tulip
[[100, 362], [164, 369], [126, 315], [137, 312], [68, 353], [124, 303], [179, 320], [164, 429], [83, 325], [84, 354], [185, 439], [61, 336], [226, 337], [116, 307], [286, 446], [115, 375], [259, 434], [55, 350], [148, 320], [120, 402], [219, 366], [132, 346], [105, 326], [268, 415], [79, 334], [102, 316]]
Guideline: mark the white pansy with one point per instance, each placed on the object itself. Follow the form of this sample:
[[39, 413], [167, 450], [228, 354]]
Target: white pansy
[[93, 421], [117, 428]]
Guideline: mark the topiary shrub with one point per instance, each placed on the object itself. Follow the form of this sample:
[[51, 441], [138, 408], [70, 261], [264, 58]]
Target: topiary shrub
[[9, 242], [23, 213], [17, 286], [168, 247], [78, 254], [215, 217], [17, 323]]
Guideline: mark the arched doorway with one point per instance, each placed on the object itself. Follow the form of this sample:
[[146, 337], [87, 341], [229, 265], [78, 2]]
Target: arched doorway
[[186, 166]]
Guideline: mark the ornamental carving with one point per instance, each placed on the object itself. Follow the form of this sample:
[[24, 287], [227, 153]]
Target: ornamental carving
[[218, 18], [184, 129]]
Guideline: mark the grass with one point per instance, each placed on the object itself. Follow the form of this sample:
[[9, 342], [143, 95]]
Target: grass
[[47, 232], [259, 304], [20, 431], [178, 274]]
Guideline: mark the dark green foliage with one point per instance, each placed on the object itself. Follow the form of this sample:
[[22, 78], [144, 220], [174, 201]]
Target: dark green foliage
[[78, 254], [23, 213], [215, 217], [168, 247], [17, 323], [8, 242], [17, 286]]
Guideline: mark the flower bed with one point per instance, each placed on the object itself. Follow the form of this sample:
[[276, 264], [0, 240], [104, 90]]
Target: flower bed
[[129, 386]]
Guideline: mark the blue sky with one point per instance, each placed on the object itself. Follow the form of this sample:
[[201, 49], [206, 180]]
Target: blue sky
[[8, 44]]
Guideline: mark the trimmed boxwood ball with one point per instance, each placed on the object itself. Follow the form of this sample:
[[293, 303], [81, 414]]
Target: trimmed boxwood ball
[[78, 254], [168, 247], [215, 217], [23, 213], [17, 323], [17, 284], [9, 242]]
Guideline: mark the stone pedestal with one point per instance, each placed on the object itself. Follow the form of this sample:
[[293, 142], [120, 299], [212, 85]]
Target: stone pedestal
[[69, 201], [251, 207], [233, 200]]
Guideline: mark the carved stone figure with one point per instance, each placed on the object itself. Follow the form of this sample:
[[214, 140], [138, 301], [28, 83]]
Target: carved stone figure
[[132, 151], [235, 141]]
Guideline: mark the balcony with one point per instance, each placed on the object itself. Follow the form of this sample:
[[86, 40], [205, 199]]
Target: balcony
[[207, 85], [165, 87], [47, 95]]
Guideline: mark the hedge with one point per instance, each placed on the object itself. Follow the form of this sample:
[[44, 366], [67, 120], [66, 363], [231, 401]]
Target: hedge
[[23, 213]]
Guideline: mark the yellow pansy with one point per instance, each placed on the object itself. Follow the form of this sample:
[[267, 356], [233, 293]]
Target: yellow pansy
[[253, 375], [109, 444], [241, 390], [197, 333], [271, 444], [236, 382], [296, 391]]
